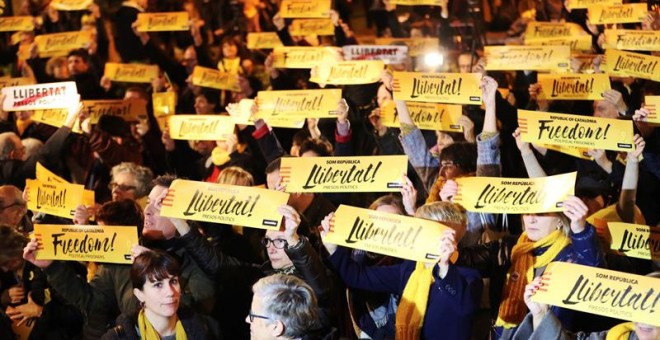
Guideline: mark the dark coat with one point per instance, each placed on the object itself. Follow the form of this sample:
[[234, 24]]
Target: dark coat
[[196, 327]]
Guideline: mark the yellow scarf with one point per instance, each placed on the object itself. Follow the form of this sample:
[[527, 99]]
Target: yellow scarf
[[148, 332], [512, 309], [411, 310], [620, 331]]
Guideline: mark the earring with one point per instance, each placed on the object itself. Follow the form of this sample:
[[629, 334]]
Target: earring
[[141, 304]]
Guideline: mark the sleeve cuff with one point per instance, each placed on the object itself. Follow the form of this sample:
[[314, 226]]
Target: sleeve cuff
[[261, 132], [343, 138]]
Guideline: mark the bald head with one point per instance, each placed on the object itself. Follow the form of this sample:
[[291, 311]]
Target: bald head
[[10, 146], [12, 205]]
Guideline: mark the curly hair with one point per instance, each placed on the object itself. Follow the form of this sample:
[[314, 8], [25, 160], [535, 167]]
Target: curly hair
[[143, 176]]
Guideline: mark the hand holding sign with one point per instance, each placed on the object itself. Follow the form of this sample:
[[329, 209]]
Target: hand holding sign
[[538, 310], [409, 195], [639, 149], [291, 223], [30, 253], [326, 228], [448, 190], [616, 98], [447, 249], [577, 212], [523, 146]]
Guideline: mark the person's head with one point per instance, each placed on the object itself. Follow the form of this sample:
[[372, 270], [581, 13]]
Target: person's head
[[189, 60], [58, 68], [229, 48], [78, 61], [389, 204], [298, 139], [11, 147], [274, 242], [273, 173], [234, 175], [155, 278], [538, 226], [466, 61], [283, 307], [458, 159], [32, 147], [136, 92], [447, 213], [11, 248], [315, 147], [445, 139], [124, 212], [605, 109], [12, 205], [645, 331], [383, 95], [205, 102], [130, 181], [157, 227]]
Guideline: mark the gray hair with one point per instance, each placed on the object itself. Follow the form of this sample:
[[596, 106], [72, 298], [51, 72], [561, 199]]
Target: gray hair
[[143, 175], [290, 300], [32, 147]]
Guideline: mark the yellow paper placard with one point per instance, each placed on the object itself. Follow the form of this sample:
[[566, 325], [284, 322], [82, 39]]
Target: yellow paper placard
[[300, 103], [52, 117], [653, 103], [13, 24], [304, 57], [131, 73], [46, 176], [569, 150], [629, 64], [348, 72], [343, 174], [213, 78], [453, 88], [105, 244], [395, 235], [263, 40], [200, 127], [163, 22], [512, 58], [9, 82], [227, 204], [426, 116], [573, 130], [573, 86], [514, 195], [243, 115], [164, 104], [600, 291], [65, 41], [581, 4], [131, 110], [545, 30], [619, 14], [632, 40], [305, 8], [419, 2], [416, 46], [71, 5], [41, 96], [634, 240], [59, 199], [576, 42], [303, 27]]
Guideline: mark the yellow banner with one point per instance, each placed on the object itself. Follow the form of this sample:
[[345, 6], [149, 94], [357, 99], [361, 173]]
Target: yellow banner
[[243, 115], [9, 82], [348, 72], [213, 78], [131, 110], [416, 46], [52, 117], [65, 41], [343, 174], [164, 104], [653, 102], [105, 244], [395, 235], [71, 5], [514, 195], [582, 4], [13, 24], [304, 27], [600, 291], [573, 86], [427, 116], [131, 73], [619, 14], [163, 22], [300, 103], [46, 176], [453, 88], [546, 30], [200, 127], [304, 57], [634, 240], [632, 40], [59, 199], [628, 64], [263, 40], [41, 96], [305, 8], [227, 204], [513, 58], [576, 42], [577, 131]]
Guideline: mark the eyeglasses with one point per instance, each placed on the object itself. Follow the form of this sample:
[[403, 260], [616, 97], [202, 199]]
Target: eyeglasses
[[12, 205], [278, 243], [121, 187], [252, 316]]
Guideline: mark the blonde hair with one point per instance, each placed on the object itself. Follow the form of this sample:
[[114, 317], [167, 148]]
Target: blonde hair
[[450, 214], [392, 200], [234, 175]]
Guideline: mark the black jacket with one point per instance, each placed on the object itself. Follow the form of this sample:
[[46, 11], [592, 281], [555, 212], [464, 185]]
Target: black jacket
[[196, 327]]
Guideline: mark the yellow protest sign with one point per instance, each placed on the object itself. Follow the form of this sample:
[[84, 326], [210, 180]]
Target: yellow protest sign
[[453, 88], [13, 24], [514, 195], [163, 22], [213, 78], [343, 174], [131, 110], [426, 116], [576, 42], [221, 203], [164, 104], [283, 121], [581, 153], [348, 72], [573, 86], [544, 30], [65, 41], [419, 2], [512, 58], [634, 240], [600, 291], [52, 117], [388, 54], [46, 176], [200, 127], [304, 57], [573, 130], [395, 235], [131, 73], [305, 8], [653, 104], [263, 40], [303, 27], [9, 82], [629, 64], [416, 46], [71, 5], [632, 40], [619, 14], [581, 4], [59, 199], [300, 103], [105, 244], [40, 96], [242, 114]]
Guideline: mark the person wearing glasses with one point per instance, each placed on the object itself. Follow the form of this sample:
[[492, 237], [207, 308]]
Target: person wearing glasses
[[283, 307]]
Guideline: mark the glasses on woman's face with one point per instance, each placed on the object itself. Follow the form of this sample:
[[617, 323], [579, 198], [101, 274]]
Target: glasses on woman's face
[[252, 316], [121, 187], [278, 243]]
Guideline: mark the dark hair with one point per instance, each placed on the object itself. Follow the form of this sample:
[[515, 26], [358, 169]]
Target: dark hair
[[164, 180], [300, 137], [11, 244], [140, 90], [320, 147], [212, 96], [274, 165], [123, 212], [79, 52], [463, 154], [153, 265]]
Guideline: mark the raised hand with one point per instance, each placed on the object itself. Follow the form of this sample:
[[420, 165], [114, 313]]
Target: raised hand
[[447, 249], [537, 309], [326, 228], [81, 215], [639, 148], [409, 195], [577, 212], [448, 190], [524, 147], [29, 254], [291, 223]]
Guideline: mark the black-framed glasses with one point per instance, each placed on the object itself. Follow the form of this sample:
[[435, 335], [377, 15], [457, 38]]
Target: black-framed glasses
[[121, 187], [12, 205], [252, 316], [278, 243]]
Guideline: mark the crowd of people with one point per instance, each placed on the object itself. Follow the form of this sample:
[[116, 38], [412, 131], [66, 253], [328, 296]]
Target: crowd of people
[[202, 280]]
